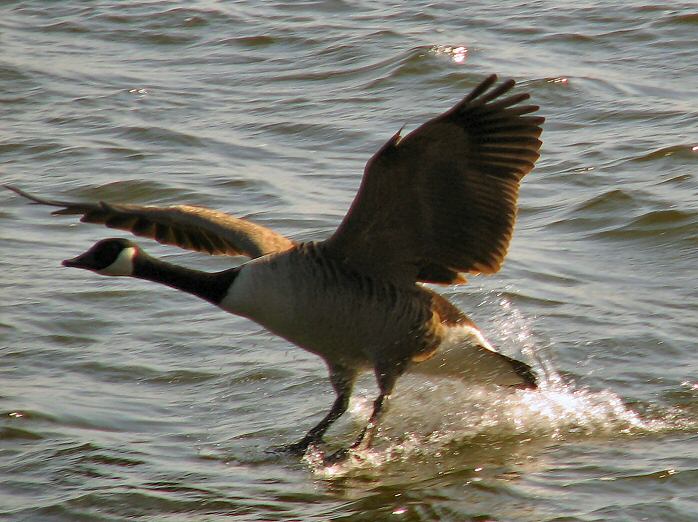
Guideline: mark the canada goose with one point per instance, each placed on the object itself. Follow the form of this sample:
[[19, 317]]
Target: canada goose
[[433, 205]]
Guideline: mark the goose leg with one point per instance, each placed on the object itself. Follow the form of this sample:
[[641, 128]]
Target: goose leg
[[386, 382], [342, 380]]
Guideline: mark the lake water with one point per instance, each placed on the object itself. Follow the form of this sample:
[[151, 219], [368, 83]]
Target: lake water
[[123, 400]]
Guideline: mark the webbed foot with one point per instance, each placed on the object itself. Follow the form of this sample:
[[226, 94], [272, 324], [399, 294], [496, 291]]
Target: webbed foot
[[297, 449], [338, 456]]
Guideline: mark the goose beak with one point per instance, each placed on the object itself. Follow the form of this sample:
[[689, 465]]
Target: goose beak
[[85, 261]]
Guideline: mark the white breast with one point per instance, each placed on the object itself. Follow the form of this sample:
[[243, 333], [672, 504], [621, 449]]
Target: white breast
[[263, 292], [290, 295]]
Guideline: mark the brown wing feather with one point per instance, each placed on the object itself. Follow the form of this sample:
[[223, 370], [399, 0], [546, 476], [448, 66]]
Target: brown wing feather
[[442, 201], [192, 228]]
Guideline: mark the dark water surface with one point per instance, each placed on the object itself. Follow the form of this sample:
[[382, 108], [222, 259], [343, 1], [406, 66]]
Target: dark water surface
[[122, 400]]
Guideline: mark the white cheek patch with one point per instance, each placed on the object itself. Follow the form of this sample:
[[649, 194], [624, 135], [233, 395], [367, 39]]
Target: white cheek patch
[[122, 266]]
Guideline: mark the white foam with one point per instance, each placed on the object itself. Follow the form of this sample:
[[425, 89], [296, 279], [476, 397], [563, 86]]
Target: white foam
[[425, 420], [427, 416]]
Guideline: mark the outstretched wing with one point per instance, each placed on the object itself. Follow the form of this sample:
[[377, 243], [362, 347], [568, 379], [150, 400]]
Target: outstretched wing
[[442, 201], [192, 228]]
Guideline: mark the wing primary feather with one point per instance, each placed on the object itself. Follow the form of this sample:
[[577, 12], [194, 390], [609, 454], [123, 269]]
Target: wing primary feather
[[485, 108], [504, 87], [479, 89], [189, 227], [510, 112]]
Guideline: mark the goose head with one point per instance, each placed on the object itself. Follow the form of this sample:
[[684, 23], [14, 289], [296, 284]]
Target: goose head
[[112, 257]]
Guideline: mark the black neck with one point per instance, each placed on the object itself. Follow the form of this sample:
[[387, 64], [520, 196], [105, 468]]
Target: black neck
[[209, 286]]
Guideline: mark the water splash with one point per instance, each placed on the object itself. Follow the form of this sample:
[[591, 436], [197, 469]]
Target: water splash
[[430, 417]]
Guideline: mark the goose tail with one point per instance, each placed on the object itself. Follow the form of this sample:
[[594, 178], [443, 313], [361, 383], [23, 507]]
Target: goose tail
[[467, 355], [509, 371]]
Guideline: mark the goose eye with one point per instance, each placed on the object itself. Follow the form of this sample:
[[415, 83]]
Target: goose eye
[[107, 253]]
